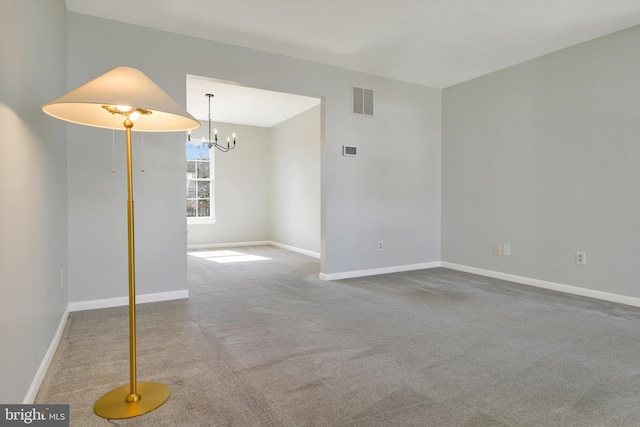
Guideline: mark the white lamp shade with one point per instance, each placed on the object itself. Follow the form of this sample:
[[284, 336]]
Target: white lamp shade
[[127, 87]]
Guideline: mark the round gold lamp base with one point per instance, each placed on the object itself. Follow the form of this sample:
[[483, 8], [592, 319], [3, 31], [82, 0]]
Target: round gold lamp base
[[119, 404]]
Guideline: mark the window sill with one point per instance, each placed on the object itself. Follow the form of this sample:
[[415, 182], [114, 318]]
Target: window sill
[[198, 221]]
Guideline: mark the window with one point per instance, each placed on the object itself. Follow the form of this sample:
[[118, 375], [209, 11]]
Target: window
[[199, 182]]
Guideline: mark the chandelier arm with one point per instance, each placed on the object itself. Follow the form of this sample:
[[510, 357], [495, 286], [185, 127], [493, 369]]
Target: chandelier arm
[[219, 147]]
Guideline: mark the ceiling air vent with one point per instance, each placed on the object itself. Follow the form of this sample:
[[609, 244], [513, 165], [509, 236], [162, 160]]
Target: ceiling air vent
[[362, 101]]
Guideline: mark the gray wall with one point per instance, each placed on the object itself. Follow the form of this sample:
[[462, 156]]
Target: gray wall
[[241, 189], [384, 194], [33, 189], [98, 213], [545, 156], [295, 181]]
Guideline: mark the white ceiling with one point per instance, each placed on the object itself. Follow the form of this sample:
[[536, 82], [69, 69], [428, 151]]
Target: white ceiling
[[436, 43], [242, 105]]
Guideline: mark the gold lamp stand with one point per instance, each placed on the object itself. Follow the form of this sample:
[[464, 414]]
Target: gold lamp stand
[[128, 92], [136, 398]]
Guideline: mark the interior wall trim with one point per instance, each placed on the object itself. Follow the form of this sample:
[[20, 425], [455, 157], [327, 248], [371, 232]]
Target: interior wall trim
[[377, 271], [294, 249], [124, 300], [227, 245], [568, 289], [257, 243], [46, 361]]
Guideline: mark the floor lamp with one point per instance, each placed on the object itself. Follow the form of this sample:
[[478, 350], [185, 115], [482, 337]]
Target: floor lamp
[[129, 93]]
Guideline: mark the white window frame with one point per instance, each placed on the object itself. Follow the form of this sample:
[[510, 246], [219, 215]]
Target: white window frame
[[203, 219]]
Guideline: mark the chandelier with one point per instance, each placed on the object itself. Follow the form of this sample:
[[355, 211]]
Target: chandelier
[[214, 142]]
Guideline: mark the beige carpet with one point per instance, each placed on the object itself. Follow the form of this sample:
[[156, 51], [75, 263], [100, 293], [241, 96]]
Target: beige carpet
[[265, 343]]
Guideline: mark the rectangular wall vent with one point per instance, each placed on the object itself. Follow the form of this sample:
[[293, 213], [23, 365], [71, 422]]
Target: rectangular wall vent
[[362, 101], [349, 151]]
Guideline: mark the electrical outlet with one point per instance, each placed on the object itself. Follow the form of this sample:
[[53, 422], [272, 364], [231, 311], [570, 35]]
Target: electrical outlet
[[380, 245], [506, 249], [581, 258], [497, 249]]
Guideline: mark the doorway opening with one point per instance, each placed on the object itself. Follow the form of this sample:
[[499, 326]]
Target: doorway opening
[[267, 190]]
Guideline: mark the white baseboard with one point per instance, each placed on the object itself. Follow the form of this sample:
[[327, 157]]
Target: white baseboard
[[258, 243], [377, 271], [294, 249], [121, 301], [46, 361], [227, 245], [89, 305], [605, 296]]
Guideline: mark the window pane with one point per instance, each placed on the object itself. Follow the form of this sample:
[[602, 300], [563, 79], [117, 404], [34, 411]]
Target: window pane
[[191, 168], [191, 189], [204, 207], [203, 169], [203, 189], [195, 150], [191, 208]]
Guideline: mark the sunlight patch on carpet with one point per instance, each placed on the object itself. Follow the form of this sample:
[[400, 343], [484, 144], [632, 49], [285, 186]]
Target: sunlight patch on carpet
[[227, 256]]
